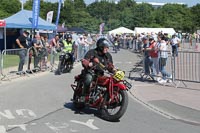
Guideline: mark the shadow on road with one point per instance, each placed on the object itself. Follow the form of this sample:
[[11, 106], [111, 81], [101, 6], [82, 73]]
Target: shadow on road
[[86, 110]]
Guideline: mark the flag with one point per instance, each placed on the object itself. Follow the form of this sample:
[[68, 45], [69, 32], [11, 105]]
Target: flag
[[49, 16], [101, 28], [63, 25], [58, 14], [36, 13]]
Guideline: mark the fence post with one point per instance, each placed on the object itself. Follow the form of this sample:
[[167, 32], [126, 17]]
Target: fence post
[[10, 67]]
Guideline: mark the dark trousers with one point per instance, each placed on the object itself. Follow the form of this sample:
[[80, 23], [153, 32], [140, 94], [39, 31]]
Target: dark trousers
[[175, 50], [148, 65], [22, 57], [36, 61], [88, 78]]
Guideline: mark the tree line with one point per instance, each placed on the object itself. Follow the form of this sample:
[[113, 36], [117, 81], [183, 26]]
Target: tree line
[[127, 13]]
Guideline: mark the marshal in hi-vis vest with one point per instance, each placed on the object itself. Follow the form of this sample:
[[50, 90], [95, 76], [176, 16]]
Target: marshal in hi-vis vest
[[67, 46]]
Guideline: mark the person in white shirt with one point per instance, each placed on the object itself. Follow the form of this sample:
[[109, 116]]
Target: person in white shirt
[[175, 41], [166, 77]]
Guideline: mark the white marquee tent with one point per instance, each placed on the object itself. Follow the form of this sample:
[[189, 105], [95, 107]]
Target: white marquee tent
[[121, 30], [139, 30]]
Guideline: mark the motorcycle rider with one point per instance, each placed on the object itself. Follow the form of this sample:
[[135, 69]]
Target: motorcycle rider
[[68, 47], [99, 55]]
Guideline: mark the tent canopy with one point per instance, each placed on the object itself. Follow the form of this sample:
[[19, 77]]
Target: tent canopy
[[77, 30], [61, 29], [121, 30], [23, 19], [139, 30]]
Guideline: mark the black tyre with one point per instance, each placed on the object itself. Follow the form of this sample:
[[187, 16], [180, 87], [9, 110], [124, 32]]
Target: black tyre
[[60, 66], [115, 110], [77, 104], [76, 97]]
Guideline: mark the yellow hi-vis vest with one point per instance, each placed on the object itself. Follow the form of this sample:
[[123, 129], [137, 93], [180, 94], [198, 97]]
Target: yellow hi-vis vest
[[67, 46]]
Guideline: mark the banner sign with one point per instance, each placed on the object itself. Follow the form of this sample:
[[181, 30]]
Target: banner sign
[[101, 28], [58, 14], [2, 23], [36, 13], [49, 16]]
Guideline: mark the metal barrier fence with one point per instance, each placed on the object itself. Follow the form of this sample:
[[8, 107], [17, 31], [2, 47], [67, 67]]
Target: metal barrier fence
[[187, 66], [10, 59], [190, 44], [184, 67], [136, 44]]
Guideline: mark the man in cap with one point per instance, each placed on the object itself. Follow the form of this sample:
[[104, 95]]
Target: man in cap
[[22, 43], [147, 58]]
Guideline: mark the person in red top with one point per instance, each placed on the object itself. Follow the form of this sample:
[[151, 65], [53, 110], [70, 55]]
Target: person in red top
[[153, 53]]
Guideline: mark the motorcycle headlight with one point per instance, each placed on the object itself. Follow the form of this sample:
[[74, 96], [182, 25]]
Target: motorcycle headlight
[[66, 56], [62, 53]]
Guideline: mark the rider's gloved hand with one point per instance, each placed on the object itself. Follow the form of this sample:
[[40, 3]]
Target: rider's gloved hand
[[96, 60], [110, 67], [85, 63]]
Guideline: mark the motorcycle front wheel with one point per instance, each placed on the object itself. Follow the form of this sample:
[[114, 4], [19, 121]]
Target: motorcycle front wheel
[[113, 111]]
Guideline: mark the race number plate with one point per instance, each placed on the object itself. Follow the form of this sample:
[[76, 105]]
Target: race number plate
[[127, 84]]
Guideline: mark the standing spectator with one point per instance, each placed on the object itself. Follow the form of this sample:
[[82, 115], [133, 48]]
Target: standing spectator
[[163, 59], [116, 41], [147, 58], [175, 42], [45, 47], [37, 46], [22, 43], [139, 42], [54, 43], [80, 43], [153, 53], [128, 41], [85, 45]]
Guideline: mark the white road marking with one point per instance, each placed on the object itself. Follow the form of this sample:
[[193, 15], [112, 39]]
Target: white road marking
[[88, 124], [33, 124], [56, 129], [22, 126], [7, 114], [2, 129], [21, 112]]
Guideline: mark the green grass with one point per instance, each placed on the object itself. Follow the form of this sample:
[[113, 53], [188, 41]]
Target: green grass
[[10, 60], [13, 60]]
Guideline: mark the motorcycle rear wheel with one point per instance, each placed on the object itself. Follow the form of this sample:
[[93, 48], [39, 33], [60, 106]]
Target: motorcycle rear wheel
[[107, 111]]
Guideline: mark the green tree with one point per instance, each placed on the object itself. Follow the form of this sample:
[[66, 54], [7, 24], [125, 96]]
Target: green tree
[[175, 16], [195, 10], [10, 7], [142, 15]]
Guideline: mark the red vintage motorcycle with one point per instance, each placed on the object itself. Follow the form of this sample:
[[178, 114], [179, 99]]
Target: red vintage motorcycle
[[108, 94]]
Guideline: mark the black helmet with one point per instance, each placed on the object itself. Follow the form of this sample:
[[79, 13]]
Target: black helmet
[[151, 38], [68, 36], [101, 43]]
